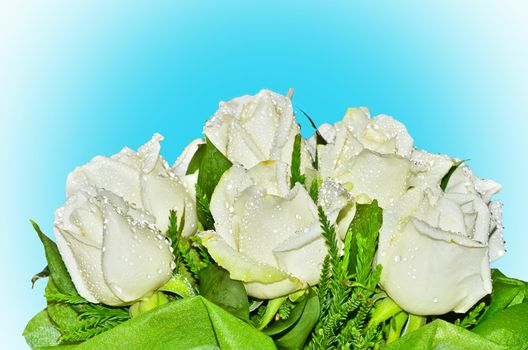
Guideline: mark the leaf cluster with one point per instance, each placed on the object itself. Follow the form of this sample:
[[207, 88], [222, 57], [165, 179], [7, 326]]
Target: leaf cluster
[[211, 165], [190, 256], [348, 284]]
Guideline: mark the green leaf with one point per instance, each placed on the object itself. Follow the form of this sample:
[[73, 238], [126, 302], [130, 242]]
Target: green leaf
[[296, 336], [191, 323], [213, 165], [58, 271], [218, 287], [42, 274], [314, 190], [508, 327], [41, 332], [202, 209], [232, 333], [196, 160], [445, 179], [296, 175], [365, 228], [319, 138], [506, 292], [440, 334]]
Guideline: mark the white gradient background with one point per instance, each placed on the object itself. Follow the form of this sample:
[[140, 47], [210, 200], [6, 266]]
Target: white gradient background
[[79, 79]]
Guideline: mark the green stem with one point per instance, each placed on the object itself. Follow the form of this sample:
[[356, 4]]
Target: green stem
[[271, 311]]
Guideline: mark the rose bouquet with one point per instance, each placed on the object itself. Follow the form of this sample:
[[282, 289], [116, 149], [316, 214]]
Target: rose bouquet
[[257, 238]]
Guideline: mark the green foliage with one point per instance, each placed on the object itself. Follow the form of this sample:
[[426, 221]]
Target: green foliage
[[472, 317], [212, 166], [286, 323], [79, 320], [202, 251], [174, 232], [218, 287], [65, 298], [507, 327], [189, 254], [314, 190], [257, 316], [347, 299], [202, 209], [296, 175], [40, 331], [192, 323], [445, 179], [95, 319], [57, 269], [506, 292], [285, 309], [319, 139], [440, 334]]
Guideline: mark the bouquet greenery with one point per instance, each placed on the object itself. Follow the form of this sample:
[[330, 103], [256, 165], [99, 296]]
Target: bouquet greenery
[[257, 238]]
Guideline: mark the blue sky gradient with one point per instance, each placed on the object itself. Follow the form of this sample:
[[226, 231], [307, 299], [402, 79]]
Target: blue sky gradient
[[78, 79]]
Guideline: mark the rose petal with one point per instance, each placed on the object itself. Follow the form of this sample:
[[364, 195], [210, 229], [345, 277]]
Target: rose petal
[[135, 259], [454, 280], [381, 177]]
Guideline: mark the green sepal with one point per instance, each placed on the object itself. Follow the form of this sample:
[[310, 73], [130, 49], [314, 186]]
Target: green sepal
[[58, 271]]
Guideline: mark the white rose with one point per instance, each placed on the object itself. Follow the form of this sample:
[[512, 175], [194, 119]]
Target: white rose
[[436, 247], [143, 179], [367, 156], [357, 132], [268, 235], [251, 129], [113, 252]]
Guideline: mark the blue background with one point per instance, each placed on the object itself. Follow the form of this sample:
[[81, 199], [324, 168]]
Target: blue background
[[78, 79]]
